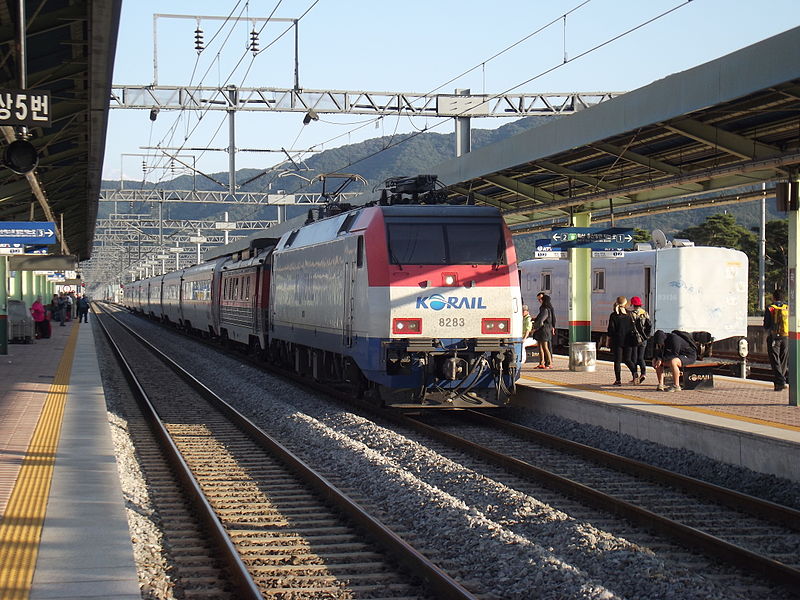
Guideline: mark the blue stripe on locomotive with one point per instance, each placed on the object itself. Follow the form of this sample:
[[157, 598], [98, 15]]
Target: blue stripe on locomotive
[[368, 353]]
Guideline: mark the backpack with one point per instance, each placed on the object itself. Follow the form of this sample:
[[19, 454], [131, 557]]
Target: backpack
[[780, 319], [641, 326]]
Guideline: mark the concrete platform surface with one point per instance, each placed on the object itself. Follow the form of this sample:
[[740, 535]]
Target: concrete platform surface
[[739, 422]]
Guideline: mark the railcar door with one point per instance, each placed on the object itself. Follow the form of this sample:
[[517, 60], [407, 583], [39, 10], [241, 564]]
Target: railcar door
[[647, 289], [347, 317]]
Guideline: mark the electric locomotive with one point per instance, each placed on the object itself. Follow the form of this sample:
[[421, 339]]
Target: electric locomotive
[[417, 297]]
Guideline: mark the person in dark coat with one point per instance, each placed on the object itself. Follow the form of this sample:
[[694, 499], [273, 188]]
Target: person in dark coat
[[83, 309], [642, 330], [672, 351], [543, 328], [57, 309], [620, 332]]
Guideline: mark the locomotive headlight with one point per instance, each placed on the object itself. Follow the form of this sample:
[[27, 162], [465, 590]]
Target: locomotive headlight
[[495, 326], [407, 326], [449, 279]]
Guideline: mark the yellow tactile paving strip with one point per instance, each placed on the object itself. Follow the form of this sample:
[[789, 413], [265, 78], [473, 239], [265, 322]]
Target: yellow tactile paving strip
[[21, 527], [731, 398]]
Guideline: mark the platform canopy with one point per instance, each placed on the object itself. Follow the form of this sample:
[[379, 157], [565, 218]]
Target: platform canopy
[[70, 53], [686, 140]]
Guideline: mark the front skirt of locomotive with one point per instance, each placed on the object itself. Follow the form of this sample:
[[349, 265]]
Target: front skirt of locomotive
[[435, 372]]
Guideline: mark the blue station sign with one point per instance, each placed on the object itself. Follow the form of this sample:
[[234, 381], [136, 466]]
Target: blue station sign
[[27, 232], [595, 238]]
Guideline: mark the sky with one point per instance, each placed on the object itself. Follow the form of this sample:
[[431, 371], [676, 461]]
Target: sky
[[413, 46]]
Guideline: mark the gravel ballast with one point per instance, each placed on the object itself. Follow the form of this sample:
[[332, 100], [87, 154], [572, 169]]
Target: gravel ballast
[[497, 538]]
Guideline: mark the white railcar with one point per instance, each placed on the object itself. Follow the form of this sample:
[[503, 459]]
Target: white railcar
[[691, 288]]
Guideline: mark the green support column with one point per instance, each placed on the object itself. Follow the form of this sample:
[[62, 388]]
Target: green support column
[[3, 305], [580, 288], [27, 288], [794, 321]]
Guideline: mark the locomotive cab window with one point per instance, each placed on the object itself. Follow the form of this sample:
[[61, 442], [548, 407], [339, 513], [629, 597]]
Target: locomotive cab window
[[445, 244]]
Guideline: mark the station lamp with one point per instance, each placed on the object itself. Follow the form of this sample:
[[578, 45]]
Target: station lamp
[[21, 157]]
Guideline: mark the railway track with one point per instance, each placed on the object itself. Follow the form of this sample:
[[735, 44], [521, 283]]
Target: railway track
[[637, 526], [747, 532], [279, 529]]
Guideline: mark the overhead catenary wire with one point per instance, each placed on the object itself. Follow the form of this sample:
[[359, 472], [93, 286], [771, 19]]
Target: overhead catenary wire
[[244, 54], [482, 65], [182, 113], [514, 87], [200, 117], [578, 56]]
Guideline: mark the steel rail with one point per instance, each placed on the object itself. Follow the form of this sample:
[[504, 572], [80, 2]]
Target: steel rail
[[240, 576], [439, 581], [692, 537], [778, 513]]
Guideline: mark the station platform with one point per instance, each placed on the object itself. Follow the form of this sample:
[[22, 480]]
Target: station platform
[[63, 528], [739, 422]]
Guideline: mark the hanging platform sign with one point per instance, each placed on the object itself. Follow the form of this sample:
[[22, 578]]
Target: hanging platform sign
[[25, 107], [595, 238], [27, 232]]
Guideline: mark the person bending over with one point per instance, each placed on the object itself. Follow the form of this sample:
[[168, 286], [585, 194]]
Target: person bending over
[[672, 351]]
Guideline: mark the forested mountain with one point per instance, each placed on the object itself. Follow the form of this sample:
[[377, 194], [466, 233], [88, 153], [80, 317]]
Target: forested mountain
[[382, 157]]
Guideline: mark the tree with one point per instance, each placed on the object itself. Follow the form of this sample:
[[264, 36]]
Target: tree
[[640, 235], [776, 257], [720, 230]]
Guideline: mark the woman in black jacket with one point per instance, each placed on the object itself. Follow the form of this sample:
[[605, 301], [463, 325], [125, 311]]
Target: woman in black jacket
[[620, 330], [543, 327]]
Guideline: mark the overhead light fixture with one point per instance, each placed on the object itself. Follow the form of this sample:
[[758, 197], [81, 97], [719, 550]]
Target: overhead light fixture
[[21, 157]]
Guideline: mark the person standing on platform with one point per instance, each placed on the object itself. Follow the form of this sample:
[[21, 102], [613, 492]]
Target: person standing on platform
[[57, 309], [68, 307], [776, 322], [620, 330], [642, 329], [543, 328], [39, 315], [527, 330], [83, 309]]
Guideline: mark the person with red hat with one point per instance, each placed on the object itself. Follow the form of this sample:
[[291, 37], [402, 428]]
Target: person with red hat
[[642, 330]]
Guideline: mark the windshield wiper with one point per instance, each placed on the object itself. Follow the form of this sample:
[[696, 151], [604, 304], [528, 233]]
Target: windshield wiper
[[394, 259]]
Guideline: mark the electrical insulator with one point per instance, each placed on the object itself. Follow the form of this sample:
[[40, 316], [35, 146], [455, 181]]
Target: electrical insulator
[[144, 167], [254, 42], [198, 40], [172, 166]]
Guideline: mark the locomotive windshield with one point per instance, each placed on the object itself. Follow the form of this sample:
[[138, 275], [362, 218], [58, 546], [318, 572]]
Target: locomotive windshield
[[446, 244]]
